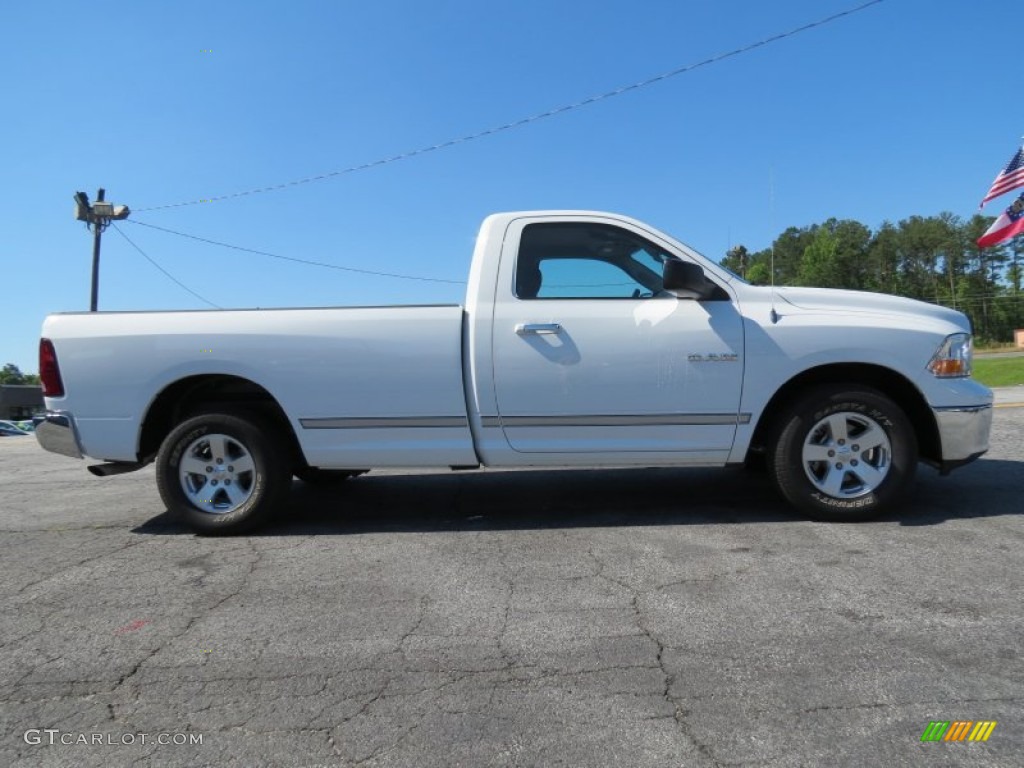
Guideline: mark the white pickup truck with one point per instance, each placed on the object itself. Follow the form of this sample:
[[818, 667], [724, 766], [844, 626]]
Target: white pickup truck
[[587, 339]]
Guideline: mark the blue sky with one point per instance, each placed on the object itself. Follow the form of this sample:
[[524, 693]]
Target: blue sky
[[908, 107]]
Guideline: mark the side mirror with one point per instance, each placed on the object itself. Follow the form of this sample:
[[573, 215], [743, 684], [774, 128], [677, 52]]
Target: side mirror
[[685, 279]]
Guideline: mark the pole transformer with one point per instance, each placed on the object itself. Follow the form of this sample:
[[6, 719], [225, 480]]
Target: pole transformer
[[97, 217]]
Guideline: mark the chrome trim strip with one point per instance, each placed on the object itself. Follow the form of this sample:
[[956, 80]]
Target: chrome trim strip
[[639, 420], [385, 422], [441, 422]]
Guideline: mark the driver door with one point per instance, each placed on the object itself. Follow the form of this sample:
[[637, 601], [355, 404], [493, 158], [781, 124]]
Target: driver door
[[590, 356]]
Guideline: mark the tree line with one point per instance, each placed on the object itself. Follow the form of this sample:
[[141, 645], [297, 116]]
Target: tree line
[[933, 258], [11, 374]]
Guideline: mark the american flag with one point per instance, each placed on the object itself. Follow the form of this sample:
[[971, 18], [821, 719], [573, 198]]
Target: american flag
[[1011, 177]]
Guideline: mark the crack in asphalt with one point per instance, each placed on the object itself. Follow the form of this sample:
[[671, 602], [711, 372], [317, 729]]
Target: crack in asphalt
[[243, 583], [679, 712], [394, 745], [510, 593], [403, 703], [130, 544], [424, 602], [454, 678]]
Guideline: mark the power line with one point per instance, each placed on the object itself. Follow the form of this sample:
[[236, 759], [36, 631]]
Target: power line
[[532, 118], [297, 260], [172, 277], [980, 299]]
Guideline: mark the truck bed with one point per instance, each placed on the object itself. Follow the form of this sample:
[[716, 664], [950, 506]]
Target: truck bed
[[375, 386]]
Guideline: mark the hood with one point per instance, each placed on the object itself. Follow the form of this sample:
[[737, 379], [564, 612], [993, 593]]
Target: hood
[[835, 300]]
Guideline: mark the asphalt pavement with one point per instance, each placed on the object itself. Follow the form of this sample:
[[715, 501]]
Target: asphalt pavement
[[587, 618]]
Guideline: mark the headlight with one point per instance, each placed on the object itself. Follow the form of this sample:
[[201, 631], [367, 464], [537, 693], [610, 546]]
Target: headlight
[[953, 357]]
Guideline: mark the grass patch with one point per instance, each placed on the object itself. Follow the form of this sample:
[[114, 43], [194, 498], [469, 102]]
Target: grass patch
[[999, 371]]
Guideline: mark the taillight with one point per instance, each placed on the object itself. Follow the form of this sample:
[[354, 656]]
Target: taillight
[[49, 371]]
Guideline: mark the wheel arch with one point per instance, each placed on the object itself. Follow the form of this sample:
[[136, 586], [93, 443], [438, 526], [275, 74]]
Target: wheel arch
[[890, 383], [203, 392]]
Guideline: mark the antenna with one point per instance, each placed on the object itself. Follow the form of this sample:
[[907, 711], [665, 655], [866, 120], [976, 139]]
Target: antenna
[[773, 315]]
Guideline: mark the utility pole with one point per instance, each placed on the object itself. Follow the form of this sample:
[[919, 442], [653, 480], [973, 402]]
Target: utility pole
[[97, 217], [97, 233]]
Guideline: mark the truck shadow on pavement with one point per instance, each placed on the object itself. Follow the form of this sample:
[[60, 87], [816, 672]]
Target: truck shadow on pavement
[[554, 499]]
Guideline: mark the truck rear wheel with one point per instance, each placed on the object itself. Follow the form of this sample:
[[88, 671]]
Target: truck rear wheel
[[844, 453], [221, 473]]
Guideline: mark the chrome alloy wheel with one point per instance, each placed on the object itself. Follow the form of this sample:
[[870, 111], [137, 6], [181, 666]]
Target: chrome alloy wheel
[[846, 455], [217, 474]]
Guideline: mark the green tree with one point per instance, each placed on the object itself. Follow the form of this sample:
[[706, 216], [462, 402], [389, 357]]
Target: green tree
[[819, 265], [882, 261], [981, 292], [853, 242], [919, 242], [11, 374], [737, 259], [789, 248], [932, 258], [1013, 271], [759, 273]]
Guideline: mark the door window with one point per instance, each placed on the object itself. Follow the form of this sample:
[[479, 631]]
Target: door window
[[579, 260]]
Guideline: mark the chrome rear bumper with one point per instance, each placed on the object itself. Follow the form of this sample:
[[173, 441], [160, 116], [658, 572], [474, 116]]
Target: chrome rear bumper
[[57, 434]]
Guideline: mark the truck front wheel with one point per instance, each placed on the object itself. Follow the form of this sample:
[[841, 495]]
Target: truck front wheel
[[844, 453], [221, 473]]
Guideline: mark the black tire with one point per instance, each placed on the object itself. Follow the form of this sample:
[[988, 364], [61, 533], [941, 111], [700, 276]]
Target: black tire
[[318, 476], [756, 461], [854, 482], [210, 505]]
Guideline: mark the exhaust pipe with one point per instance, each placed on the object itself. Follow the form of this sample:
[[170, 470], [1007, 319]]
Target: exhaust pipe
[[116, 468]]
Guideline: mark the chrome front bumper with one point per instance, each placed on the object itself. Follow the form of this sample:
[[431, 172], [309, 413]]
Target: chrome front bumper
[[57, 433], [963, 432]]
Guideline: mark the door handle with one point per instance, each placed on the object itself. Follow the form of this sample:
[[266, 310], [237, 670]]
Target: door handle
[[537, 328]]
